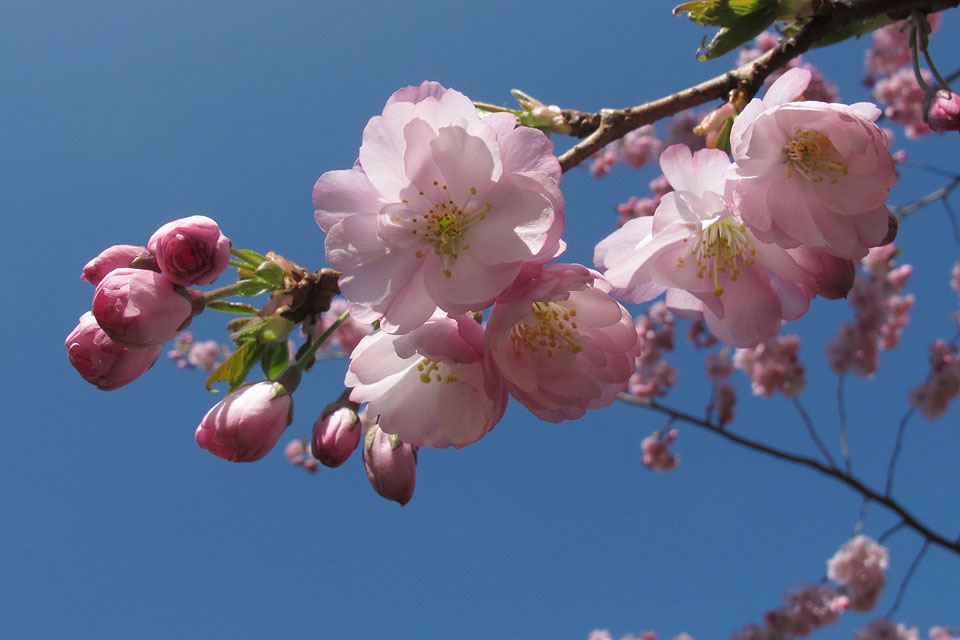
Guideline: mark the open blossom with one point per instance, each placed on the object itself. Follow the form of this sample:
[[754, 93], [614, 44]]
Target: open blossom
[[812, 173], [698, 250], [139, 308], [430, 386], [244, 426], [441, 210], [191, 251], [860, 565], [101, 361], [561, 343]]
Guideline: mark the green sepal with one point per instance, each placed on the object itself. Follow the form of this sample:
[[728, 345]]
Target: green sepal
[[244, 329], [232, 307], [250, 287], [854, 30], [252, 258], [235, 368], [369, 438], [275, 360], [272, 274], [723, 141]]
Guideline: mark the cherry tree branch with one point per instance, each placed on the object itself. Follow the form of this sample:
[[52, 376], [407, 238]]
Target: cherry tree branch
[[908, 519], [607, 125]]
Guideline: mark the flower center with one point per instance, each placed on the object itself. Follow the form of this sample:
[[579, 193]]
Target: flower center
[[814, 156], [721, 248], [554, 328], [431, 371], [443, 224]]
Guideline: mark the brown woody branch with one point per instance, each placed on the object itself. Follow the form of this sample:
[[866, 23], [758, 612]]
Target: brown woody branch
[[908, 519], [608, 125]]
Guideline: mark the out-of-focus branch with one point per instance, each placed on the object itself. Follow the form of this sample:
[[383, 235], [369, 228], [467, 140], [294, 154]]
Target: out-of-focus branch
[[601, 128], [908, 519]]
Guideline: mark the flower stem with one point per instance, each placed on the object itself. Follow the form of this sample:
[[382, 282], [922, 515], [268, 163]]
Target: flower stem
[[307, 356]]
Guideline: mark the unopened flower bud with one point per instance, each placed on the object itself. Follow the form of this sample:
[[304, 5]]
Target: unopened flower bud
[[336, 433], [101, 361], [944, 112], [139, 308], [244, 426], [391, 465], [714, 124], [116, 257], [191, 251]]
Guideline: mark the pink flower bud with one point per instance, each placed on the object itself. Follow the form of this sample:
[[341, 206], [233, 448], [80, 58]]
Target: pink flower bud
[[245, 425], [191, 251], [116, 257], [101, 361], [139, 308], [336, 434], [391, 465], [944, 112]]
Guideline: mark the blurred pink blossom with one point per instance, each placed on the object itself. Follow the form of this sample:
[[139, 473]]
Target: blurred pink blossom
[[906, 100], [860, 565], [942, 386], [773, 366], [656, 452], [883, 629]]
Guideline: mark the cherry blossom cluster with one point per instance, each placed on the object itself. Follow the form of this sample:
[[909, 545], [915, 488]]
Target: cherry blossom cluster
[[191, 354], [933, 396], [819, 89], [636, 149], [773, 366], [724, 395], [655, 334], [656, 451], [883, 629], [860, 566], [141, 300], [880, 314], [745, 245], [445, 215]]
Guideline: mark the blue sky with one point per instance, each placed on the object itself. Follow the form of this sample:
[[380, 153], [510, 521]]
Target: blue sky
[[119, 116]]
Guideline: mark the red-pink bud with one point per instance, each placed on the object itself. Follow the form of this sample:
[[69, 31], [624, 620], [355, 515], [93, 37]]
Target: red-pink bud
[[101, 361], [944, 112], [191, 251], [116, 257], [139, 308], [244, 426], [391, 465], [336, 434]]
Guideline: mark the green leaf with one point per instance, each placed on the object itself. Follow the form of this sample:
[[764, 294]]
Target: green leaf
[[275, 360], [235, 368], [725, 13], [743, 31], [855, 29], [723, 142], [232, 307], [252, 287], [271, 273], [252, 258]]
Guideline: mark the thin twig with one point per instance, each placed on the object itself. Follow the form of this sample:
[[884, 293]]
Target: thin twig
[[862, 517], [891, 467], [601, 128], [952, 217], [939, 194], [813, 432], [906, 578], [842, 412], [851, 481], [889, 532]]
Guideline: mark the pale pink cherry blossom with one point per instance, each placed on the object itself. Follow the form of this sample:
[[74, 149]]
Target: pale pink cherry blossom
[[942, 633], [101, 361], [860, 566], [819, 89], [640, 207], [430, 386], [560, 342], [441, 210], [773, 366], [116, 257], [698, 250], [656, 451], [681, 130], [811, 173], [245, 426], [391, 465], [602, 162], [640, 146], [883, 629]]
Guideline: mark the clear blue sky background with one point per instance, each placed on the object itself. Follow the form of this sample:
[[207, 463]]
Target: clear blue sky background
[[116, 117]]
